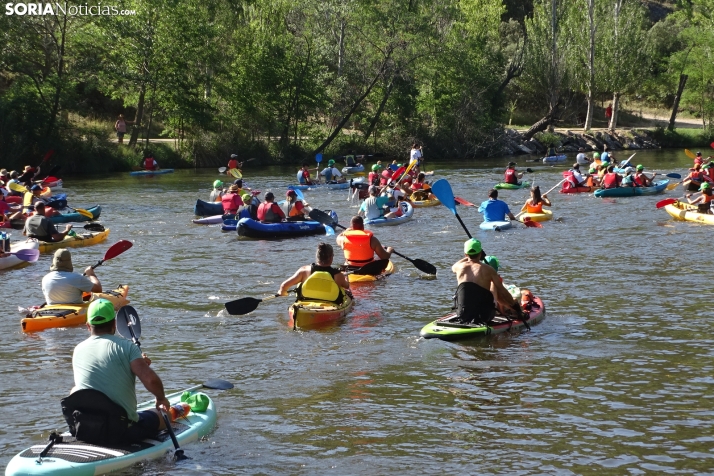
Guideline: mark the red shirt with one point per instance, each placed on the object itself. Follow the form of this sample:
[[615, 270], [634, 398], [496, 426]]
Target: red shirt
[[232, 164]]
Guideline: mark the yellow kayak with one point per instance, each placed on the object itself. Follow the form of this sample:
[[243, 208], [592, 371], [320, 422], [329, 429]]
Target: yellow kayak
[[368, 278], [545, 216], [424, 203], [80, 239], [686, 212], [304, 314], [67, 315], [235, 173]]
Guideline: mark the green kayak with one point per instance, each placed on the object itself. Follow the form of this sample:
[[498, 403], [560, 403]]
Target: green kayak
[[451, 329], [510, 186]]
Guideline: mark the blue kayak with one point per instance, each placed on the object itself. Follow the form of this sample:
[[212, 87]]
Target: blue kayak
[[76, 217], [207, 209], [152, 172], [287, 229], [554, 158], [495, 225]]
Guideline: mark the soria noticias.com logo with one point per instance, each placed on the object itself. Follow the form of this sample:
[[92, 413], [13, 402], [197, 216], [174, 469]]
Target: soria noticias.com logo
[[39, 9]]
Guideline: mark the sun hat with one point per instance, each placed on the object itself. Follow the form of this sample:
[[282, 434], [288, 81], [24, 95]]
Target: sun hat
[[233, 156], [100, 311], [35, 187], [62, 261], [596, 155], [472, 247], [217, 184]]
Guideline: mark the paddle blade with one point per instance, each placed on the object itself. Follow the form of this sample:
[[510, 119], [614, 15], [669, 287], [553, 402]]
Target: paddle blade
[[218, 384], [529, 170], [672, 186], [424, 266], [374, 268], [322, 217], [711, 145], [117, 248], [28, 255], [531, 224], [463, 202], [442, 190], [673, 175], [235, 173], [242, 306], [690, 154], [47, 156], [85, 213], [329, 231], [127, 318], [318, 157], [222, 170], [665, 202]]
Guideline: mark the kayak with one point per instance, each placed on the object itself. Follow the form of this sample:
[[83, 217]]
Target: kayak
[[511, 186], [207, 209], [286, 229], [449, 328], [76, 216], [686, 212], [80, 239], [235, 173], [67, 315], [305, 314], [658, 187], [368, 278], [495, 225], [152, 172], [545, 216], [554, 158], [407, 212], [578, 190], [13, 261], [75, 458], [353, 170], [330, 185], [214, 220], [424, 203], [52, 182]]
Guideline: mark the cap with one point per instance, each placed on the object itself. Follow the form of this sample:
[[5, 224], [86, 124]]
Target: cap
[[233, 156], [62, 261], [699, 153], [472, 247], [100, 311], [290, 193], [580, 149], [376, 167], [511, 164], [640, 167], [330, 162], [705, 185], [492, 261], [35, 187], [596, 155], [217, 184]]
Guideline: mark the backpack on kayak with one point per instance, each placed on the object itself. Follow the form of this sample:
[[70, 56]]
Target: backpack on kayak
[[94, 418]]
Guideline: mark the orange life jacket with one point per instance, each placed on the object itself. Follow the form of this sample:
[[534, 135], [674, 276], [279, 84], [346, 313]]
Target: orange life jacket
[[357, 247], [534, 209]]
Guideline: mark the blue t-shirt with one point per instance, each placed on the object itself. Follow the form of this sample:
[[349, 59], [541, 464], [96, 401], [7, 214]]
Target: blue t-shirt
[[494, 210], [604, 157]]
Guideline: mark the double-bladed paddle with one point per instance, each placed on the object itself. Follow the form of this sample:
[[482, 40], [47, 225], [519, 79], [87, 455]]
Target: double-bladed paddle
[[690, 154], [27, 255], [325, 219], [115, 250], [463, 202], [442, 190], [666, 201]]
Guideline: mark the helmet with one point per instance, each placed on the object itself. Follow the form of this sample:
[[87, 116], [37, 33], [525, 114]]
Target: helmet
[[596, 155], [330, 162], [640, 167], [472, 247], [704, 186], [376, 167], [100, 312], [217, 184], [699, 153], [492, 261]]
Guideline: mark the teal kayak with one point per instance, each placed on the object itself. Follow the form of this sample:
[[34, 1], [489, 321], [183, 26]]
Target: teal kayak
[[510, 186], [657, 187], [152, 172], [75, 458], [76, 216], [449, 328]]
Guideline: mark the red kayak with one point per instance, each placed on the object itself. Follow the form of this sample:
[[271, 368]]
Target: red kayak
[[579, 189]]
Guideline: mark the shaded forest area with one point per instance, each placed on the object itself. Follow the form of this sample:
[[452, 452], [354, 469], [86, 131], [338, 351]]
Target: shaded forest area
[[282, 80]]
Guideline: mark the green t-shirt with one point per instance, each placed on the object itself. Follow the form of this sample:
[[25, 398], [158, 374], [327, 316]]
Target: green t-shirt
[[103, 363]]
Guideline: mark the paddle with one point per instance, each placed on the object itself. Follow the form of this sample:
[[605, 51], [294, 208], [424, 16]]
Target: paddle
[[419, 264], [712, 145], [318, 159], [49, 174], [83, 212], [115, 250], [672, 186], [665, 202], [129, 327], [690, 154], [461, 201], [222, 170], [27, 255], [442, 190], [556, 185]]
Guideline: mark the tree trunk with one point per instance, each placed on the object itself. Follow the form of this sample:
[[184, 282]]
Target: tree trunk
[[682, 82], [615, 110], [341, 48], [136, 128], [591, 67], [373, 123], [541, 125], [60, 78]]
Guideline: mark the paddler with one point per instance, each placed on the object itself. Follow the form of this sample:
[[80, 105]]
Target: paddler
[[105, 369], [582, 159], [478, 286], [611, 179], [373, 177], [149, 162], [415, 155], [30, 198], [698, 159], [349, 159], [695, 178], [536, 202], [294, 209], [217, 192], [373, 206], [303, 175], [494, 209], [705, 201], [332, 174], [40, 228], [640, 179], [63, 286], [269, 211], [318, 281], [511, 175], [420, 189], [360, 246], [708, 170], [233, 164], [232, 200]]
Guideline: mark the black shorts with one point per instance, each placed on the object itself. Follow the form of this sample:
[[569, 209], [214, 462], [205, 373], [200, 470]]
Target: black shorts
[[146, 427], [474, 304]]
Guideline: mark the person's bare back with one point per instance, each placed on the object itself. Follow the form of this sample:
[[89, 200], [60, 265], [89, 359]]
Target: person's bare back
[[471, 271]]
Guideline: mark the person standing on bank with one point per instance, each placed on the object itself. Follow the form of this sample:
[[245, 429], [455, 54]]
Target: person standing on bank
[[120, 127]]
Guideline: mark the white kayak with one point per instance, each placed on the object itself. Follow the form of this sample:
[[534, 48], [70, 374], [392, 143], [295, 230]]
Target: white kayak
[[407, 212], [214, 220], [353, 170], [13, 261], [74, 458], [495, 225]]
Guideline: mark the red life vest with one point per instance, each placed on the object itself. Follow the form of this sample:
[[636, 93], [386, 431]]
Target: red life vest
[[357, 247], [611, 180], [231, 203], [149, 163], [232, 164], [373, 178], [637, 178], [270, 212], [710, 172], [570, 181], [510, 176]]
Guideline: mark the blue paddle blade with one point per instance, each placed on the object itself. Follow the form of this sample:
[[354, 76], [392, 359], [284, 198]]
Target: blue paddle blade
[[673, 175], [442, 189], [329, 231], [318, 158]]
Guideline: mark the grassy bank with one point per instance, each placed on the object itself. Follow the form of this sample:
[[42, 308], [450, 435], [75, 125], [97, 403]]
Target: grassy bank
[[687, 138]]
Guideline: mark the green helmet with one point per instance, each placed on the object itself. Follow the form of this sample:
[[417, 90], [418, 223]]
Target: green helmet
[[330, 162], [492, 261], [472, 247], [596, 155], [704, 186], [640, 167], [100, 312], [217, 184], [376, 167]]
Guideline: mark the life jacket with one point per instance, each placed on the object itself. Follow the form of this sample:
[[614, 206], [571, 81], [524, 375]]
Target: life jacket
[[321, 286], [696, 176], [386, 175], [94, 418], [510, 176], [357, 248], [232, 164], [610, 180], [570, 181], [534, 209], [267, 214], [637, 179], [350, 160], [290, 209], [708, 197], [231, 203], [710, 172], [373, 178], [149, 163]]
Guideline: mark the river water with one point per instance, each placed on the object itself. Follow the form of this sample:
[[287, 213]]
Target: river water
[[618, 379]]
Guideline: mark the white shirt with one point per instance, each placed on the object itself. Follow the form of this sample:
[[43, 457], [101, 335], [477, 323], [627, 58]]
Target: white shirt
[[578, 176], [415, 154], [582, 159], [335, 173]]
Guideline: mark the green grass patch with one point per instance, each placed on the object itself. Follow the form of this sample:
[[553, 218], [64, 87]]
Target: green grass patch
[[686, 138]]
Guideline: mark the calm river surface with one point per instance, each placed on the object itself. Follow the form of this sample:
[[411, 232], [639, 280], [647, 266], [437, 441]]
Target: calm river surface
[[618, 379]]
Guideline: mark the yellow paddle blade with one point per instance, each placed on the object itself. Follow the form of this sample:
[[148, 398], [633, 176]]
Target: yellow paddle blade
[[85, 213], [672, 186], [690, 154], [235, 173]]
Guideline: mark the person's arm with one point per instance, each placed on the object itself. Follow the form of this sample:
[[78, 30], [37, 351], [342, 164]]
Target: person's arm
[[300, 275], [340, 240], [97, 286], [696, 200], [342, 281], [278, 211], [546, 201], [381, 251], [56, 235], [151, 382], [502, 295], [525, 205]]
